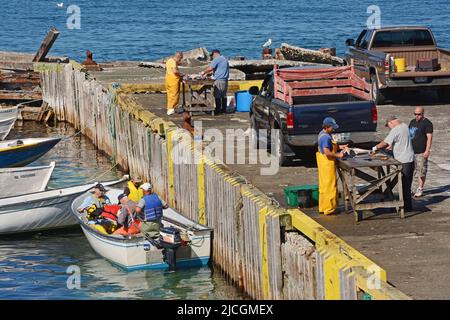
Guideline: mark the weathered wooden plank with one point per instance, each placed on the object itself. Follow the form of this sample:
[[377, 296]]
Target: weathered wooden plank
[[46, 45], [20, 95]]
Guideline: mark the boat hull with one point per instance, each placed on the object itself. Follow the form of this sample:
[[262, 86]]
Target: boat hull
[[8, 117], [18, 181], [18, 156], [132, 255], [40, 215], [39, 211]]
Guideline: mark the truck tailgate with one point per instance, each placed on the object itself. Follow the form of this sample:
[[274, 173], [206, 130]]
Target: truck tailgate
[[355, 116]]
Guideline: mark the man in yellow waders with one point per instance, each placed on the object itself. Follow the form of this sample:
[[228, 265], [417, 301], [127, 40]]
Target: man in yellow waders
[[173, 80], [326, 164], [132, 190]]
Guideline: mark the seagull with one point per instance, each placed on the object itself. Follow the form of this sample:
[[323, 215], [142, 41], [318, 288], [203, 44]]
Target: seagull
[[267, 44], [60, 5]]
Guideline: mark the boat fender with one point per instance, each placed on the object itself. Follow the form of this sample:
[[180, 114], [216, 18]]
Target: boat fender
[[99, 228]]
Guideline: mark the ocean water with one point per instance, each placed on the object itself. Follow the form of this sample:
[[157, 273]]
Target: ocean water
[[39, 265], [150, 29]]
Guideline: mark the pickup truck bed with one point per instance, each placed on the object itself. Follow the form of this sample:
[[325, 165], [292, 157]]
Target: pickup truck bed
[[412, 55], [373, 56], [296, 100]]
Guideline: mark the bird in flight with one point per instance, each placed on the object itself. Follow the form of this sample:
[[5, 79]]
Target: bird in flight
[[60, 5]]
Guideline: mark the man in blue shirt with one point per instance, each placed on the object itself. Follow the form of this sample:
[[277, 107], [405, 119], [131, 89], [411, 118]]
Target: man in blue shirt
[[220, 69], [326, 156]]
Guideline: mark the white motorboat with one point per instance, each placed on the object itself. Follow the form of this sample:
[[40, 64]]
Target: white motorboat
[[43, 210], [137, 252]]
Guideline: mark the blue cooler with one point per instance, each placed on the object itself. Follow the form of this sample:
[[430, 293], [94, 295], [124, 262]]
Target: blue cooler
[[243, 100]]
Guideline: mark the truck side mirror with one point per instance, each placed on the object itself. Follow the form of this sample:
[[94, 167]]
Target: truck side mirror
[[254, 90], [350, 42]]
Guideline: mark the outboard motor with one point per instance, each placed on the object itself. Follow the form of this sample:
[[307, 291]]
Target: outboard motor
[[170, 241]]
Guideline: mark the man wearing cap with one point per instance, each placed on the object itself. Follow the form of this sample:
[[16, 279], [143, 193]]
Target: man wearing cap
[[221, 70], [133, 191], [95, 202], [399, 141], [150, 210], [326, 156], [128, 219]]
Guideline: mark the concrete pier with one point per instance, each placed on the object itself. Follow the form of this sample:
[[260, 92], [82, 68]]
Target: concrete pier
[[265, 249]]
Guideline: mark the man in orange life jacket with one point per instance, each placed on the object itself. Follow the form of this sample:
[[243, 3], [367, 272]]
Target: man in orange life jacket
[[150, 209], [128, 219]]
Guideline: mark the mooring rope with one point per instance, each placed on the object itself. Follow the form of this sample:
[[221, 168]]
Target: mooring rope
[[95, 179], [71, 136]]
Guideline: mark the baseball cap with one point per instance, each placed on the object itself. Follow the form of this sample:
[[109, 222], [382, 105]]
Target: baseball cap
[[391, 118], [328, 121], [100, 187], [146, 186], [214, 51], [121, 196]]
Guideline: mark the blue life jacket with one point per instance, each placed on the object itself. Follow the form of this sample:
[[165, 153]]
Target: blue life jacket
[[153, 209]]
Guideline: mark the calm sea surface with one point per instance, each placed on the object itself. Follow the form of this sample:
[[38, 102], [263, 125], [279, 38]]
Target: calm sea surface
[[36, 266], [150, 29]]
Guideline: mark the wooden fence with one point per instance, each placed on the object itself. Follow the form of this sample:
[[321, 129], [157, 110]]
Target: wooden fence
[[250, 244]]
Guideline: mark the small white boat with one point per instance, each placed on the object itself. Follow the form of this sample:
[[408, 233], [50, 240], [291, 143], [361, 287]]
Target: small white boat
[[43, 210], [18, 181], [137, 252], [8, 117]]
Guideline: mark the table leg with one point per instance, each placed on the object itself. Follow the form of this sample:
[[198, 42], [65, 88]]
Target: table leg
[[400, 195], [183, 87], [354, 192], [345, 192]]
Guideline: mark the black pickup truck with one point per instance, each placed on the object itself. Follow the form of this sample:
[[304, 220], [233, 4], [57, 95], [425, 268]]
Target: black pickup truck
[[374, 53], [296, 100]]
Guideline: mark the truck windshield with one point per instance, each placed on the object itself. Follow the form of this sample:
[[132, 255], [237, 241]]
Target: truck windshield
[[402, 38]]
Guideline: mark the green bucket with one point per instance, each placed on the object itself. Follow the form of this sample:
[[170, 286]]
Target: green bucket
[[291, 195]]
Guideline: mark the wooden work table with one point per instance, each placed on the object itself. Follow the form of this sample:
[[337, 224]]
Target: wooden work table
[[200, 95], [381, 174]]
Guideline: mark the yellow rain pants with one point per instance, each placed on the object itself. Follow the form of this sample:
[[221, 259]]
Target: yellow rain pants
[[327, 182], [172, 85], [135, 193]]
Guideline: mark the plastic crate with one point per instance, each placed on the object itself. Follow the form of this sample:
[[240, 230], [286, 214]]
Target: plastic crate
[[292, 199]]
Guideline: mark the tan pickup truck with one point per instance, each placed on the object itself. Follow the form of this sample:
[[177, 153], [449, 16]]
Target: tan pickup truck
[[376, 56]]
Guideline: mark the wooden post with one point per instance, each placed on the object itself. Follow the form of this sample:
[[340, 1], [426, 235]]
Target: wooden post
[[46, 45]]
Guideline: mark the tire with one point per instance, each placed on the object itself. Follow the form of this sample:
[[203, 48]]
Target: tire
[[254, 133], [279, 150], [377, 95]]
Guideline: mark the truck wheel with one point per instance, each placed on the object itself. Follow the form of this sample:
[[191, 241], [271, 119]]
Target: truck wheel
[[279, 150], [254, 133], [377, 95], [444, 94]]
